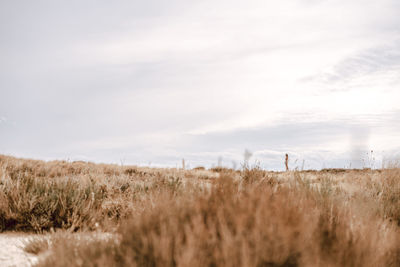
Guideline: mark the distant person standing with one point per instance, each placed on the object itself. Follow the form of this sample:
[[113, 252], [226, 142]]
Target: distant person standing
[[287, 162]]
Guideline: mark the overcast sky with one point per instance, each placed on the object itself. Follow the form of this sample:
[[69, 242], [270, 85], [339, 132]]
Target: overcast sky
[[152, 82]]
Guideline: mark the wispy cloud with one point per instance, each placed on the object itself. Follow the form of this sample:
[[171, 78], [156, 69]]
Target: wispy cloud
[[382, 60]]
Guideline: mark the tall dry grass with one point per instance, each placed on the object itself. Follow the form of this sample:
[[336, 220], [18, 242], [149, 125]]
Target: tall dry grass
[[256, 220], [38, 196], [204, 218]]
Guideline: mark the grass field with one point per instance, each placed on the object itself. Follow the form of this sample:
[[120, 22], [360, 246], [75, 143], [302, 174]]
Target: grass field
[[219, 217]]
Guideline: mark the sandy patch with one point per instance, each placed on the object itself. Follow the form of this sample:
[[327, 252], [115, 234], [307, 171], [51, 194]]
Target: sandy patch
[[12, 250]]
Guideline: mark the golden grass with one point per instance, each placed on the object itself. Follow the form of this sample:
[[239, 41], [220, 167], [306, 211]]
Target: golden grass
[[169, 217], [38, 196]]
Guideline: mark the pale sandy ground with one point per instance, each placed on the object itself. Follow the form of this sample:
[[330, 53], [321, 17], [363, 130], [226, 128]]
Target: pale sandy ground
[[12, 250]]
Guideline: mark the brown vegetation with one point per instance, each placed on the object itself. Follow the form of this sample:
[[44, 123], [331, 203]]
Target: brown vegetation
[[180, 218], [39, 196]]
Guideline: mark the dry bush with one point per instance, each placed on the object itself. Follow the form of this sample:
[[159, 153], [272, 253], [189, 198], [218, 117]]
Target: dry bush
[[38, 196], [237, 224], [37, 245], [170, 217], [384, 191], [221, 169], [41, 204]]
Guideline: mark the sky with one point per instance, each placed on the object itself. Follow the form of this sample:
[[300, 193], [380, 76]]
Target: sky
[[154, 82]]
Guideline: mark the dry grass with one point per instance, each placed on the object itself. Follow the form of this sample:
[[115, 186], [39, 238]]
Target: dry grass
[[38, 196], [37, 245], [205, 218]]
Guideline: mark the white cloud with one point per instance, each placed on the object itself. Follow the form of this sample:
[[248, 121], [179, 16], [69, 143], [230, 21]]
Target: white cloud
[[146, 75]]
